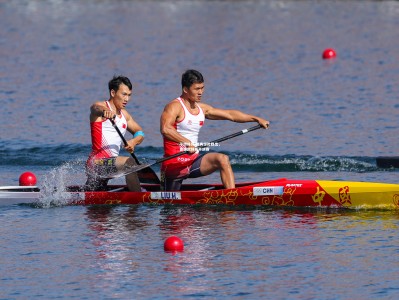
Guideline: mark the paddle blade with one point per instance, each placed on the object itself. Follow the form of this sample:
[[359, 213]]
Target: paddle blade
[[148, 175], [144, 172]]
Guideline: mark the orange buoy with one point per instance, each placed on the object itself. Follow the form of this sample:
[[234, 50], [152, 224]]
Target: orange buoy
[[329, 53], [27, 179], [174, 244]]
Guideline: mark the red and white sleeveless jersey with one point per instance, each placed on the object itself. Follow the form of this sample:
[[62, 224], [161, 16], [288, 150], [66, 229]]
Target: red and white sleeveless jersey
[[189, 127], [106, 141]]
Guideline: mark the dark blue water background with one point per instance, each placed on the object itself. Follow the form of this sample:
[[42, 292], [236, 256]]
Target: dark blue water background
[[330, 119]]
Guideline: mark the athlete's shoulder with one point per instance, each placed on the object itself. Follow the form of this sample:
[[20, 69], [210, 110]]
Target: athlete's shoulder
[[99, 104], [96, 110], [126, 114], [205, 107], [176, 101], [173, 104]]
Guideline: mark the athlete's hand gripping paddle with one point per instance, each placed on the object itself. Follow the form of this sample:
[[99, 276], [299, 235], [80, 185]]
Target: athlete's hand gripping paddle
[[145, 174]]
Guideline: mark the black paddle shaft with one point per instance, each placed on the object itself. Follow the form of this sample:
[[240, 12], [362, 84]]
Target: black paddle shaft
[[213, 142], [244, 131], [123, 140], [237, 134], [146, 174]]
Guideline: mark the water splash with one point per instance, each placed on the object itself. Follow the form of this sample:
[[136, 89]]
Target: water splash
[[55, 183]]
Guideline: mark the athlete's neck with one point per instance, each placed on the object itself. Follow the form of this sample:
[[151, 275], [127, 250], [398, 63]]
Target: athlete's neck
[[189, 103], [113, 107]]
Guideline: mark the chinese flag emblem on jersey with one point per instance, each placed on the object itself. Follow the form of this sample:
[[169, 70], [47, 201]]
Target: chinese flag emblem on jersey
[[201, 123]]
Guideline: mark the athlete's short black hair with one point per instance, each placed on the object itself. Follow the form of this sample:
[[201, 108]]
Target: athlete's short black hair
[[116, 81], [190, 77]]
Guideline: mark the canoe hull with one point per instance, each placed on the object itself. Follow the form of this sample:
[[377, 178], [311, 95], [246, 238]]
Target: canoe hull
[[281, 192]]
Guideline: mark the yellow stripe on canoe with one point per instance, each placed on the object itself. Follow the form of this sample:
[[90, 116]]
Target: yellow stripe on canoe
[[362, 194]]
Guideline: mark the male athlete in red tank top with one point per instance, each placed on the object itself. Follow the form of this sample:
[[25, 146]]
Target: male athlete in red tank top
[[189, 103]]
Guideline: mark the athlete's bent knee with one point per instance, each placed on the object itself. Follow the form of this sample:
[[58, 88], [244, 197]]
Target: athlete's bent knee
[[224, 160]]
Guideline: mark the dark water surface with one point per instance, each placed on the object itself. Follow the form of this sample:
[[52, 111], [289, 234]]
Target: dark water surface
[[329, 119]]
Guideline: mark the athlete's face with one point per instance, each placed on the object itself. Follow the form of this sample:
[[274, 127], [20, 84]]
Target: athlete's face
[[194, 93], [121, 96]]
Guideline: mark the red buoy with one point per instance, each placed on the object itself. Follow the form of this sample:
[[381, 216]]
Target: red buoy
[[329, 53], [173, 243], [27, 179]]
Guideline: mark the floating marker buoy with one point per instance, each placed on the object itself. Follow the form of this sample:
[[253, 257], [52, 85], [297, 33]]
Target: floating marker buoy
[[27, 179], [173, 243], [329, 53]]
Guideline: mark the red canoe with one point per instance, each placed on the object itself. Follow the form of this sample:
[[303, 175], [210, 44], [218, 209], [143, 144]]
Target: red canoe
[[280, 192]]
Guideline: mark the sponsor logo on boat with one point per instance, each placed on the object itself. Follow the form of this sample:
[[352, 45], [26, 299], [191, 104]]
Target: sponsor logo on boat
[[268, 190], [294, 185], [166, 195]]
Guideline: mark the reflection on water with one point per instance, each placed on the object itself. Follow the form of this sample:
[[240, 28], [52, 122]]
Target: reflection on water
[[258, 252], [289, 243]]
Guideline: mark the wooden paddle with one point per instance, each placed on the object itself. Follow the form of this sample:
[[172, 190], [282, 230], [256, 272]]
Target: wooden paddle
[[145, 174], [143, 167]]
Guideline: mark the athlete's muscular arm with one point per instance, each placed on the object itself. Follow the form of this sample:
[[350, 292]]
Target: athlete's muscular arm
[[174, 112], [213, 113], [97, 110], [132, 127]]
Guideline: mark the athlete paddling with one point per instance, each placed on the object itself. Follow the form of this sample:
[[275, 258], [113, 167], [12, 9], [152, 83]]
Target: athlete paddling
[[106, 142], [181, 122]]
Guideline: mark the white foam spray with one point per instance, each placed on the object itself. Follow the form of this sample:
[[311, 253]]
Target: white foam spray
[[55, 182]]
